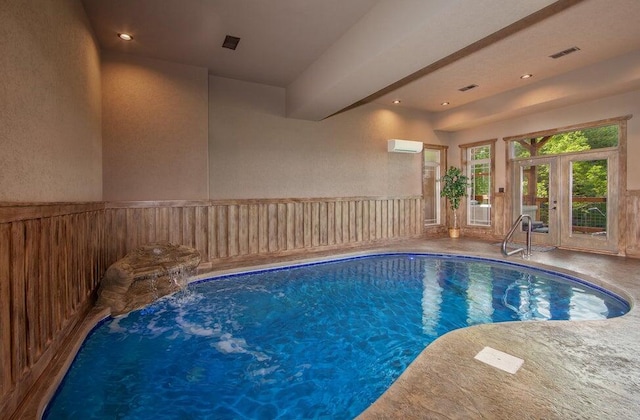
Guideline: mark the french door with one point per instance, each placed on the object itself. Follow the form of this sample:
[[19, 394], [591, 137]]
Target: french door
[[572, 199]]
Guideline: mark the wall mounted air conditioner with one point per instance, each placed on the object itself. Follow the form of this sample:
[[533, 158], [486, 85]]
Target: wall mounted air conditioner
[[404, 146]]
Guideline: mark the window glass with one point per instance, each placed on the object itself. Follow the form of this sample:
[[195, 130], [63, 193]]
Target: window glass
[[430, 185], [479, 172], [569, 142], [589, 191]]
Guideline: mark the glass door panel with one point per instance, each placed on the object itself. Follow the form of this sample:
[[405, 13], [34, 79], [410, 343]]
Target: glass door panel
[[589, 191], [590, 212], [537, 199], [572, 199]]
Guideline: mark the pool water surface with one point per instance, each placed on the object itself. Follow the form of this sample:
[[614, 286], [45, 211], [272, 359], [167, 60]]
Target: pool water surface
[[315, 341]]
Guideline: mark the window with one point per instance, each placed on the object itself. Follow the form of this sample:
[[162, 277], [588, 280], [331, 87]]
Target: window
[[569, 180], [587, 174], [479, 164], [433, 161], [588, 138]]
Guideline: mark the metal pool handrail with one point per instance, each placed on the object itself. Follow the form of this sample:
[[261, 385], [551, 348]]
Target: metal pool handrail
[[526, 252]]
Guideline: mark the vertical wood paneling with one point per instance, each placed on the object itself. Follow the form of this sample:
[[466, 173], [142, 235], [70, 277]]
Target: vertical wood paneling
[[6, 377], [299, 225], [222, 231], [352, 221], [384, 221], [331, 223], [254, 229], [315, 224], [324, 234], [120, 227], [359, 221], [338, 223], [51, 259], [412, 217], [149, 223], [395, 219], [307, 224], [45, 277], [282, 226], [420, 217], [272, 210], [67, 230], [345, 222], [175, 225], [263, 228], [18, 310], [201, 233], [399, 218], [135, 228], [633, 224], [212, 234], [233, 220], [243, 229], [33, 304], [257, 227], [365, 221], [378, 219], [76, 261], [56, 269], [291, 226], [370, 225], [187, 223], [162, 224]]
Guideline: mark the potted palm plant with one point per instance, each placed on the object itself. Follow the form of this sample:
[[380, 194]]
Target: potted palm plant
[[454, 187]]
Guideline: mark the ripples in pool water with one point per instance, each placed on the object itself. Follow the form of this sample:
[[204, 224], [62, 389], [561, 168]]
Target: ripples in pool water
[[316, 341]]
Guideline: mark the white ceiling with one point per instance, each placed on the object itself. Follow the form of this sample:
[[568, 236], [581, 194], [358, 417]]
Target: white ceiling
[[279, 39], [330, 54]]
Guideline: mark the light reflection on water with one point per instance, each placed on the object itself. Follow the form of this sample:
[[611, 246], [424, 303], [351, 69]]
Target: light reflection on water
[[322, 340]]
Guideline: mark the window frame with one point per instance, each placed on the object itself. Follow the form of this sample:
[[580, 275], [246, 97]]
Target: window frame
[[465, 150], [617, 193], [440, 202]]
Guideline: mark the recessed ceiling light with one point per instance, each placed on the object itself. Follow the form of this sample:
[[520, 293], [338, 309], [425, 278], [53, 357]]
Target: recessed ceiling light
[[125, 37], [444, 103], [397, 101], [526, 76]]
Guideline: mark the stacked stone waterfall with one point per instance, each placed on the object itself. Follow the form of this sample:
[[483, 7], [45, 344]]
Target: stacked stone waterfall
[[146, 274]]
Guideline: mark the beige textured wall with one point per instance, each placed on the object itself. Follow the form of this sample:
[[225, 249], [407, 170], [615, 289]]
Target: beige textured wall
[[154, 129], [255, 152], [50, 135], [609, 107]]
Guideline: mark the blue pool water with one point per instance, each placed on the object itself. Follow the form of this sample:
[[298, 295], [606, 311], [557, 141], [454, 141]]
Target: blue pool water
[[316, 341]]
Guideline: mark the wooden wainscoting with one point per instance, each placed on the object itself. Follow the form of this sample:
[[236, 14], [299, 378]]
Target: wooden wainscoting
[[233, 230], [53, 255], [500, 223], [632, 230], [51, 259]]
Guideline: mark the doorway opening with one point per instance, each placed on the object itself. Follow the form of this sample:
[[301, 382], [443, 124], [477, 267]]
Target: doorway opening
[[569, 181]]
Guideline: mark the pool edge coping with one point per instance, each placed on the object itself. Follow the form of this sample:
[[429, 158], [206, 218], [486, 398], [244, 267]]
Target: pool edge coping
[[97, 314]]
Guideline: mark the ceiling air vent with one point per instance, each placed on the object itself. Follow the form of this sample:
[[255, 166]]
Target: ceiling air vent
[[230, 42], [565, 52], [466, 88]]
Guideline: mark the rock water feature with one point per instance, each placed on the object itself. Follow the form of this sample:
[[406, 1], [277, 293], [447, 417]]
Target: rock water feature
[[146, 274]]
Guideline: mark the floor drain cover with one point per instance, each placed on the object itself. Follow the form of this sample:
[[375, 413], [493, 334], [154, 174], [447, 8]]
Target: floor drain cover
[[499, 359]]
